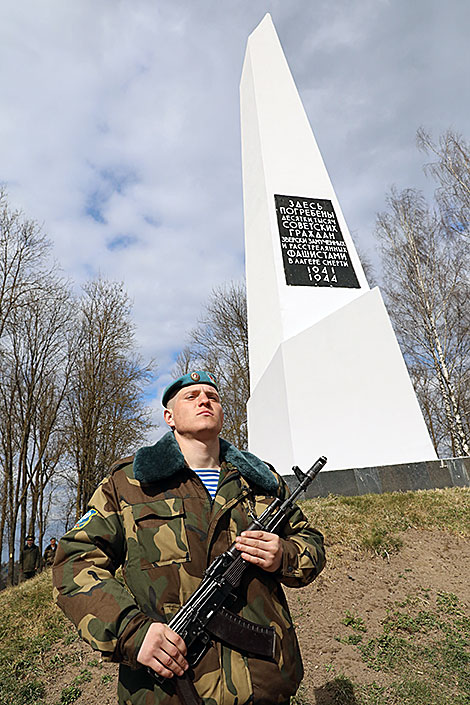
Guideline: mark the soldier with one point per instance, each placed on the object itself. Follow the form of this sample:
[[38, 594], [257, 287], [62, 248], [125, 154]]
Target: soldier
[[49, 553], [30, 559], [163, 516]]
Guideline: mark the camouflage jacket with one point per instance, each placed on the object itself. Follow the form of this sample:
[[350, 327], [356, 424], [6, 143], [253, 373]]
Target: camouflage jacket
[[155, 518]]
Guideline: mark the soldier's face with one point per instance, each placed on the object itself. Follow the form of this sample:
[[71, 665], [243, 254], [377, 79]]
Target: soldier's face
[[196, 410]]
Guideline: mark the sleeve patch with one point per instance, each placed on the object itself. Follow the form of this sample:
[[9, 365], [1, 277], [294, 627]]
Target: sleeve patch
[[86, 518]]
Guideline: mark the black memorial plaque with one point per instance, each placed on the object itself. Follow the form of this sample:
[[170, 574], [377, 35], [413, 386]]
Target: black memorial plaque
[[313, 248]]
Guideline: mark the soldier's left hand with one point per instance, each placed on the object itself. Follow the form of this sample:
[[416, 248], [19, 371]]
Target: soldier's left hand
[[260, 548]]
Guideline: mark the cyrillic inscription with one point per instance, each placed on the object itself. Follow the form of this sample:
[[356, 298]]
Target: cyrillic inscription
[[313, 248]]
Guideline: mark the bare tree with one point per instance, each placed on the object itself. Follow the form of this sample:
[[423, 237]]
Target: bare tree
[[33, 381], [367, 266], [26, 276], [427, 290], [106, 413], [451, 169], [53, 322], [23, 255], [219, 343], [70, 382]]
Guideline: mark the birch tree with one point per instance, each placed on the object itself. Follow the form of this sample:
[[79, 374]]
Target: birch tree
[[427, 291], [451, 169]]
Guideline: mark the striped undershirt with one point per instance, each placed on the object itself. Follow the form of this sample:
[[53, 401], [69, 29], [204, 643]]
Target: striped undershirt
[[210, 478]]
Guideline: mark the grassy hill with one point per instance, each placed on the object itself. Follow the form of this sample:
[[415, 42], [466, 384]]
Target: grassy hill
[[387, 622]]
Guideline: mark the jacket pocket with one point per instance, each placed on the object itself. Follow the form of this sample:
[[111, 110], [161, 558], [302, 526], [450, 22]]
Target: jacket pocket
[[161, 532]]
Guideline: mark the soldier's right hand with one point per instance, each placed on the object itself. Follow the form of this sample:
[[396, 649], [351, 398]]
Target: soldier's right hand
[[164, 651]]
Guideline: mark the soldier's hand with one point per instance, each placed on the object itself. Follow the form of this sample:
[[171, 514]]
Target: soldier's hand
[[164, 651], [260, 548]]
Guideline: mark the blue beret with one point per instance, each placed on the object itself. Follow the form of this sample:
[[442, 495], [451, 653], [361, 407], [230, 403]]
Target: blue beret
[[197, 377]]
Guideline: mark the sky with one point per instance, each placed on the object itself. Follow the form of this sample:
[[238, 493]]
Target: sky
[[120, 130]]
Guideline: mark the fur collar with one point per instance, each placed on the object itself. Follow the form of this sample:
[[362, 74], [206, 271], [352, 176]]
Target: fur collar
[[153, 463]]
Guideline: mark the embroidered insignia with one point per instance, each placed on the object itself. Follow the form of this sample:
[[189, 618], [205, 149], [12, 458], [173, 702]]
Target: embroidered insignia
[[86, 518], [211, 376], [195, 377]]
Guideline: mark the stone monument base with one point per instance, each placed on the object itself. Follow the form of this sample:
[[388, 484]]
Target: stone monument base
[[427, 475]]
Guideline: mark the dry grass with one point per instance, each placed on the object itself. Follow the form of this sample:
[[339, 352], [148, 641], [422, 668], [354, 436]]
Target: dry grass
[[31, 612], [374, 521], [30, 625]]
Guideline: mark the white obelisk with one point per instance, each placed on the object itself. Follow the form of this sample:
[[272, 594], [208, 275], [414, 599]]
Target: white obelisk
[[326, 372]]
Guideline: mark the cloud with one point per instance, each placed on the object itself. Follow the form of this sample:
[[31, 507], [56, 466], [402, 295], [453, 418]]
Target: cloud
[[119, 128]]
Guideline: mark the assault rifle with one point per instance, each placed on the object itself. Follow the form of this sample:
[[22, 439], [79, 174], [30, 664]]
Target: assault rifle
[[203, 616]]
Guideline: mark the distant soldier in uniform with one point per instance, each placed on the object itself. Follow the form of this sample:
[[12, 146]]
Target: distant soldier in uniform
[[30, 559], [163, 516], [49, 553]]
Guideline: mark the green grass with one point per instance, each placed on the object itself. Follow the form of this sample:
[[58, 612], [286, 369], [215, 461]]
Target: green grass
[[355, 622], [426, 652], [69, 694]]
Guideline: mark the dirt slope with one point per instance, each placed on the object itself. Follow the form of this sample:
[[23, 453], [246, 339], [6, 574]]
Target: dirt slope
[[369, 587]]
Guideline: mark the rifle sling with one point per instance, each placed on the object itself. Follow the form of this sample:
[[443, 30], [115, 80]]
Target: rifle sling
[[242, 634], [186, 691]]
